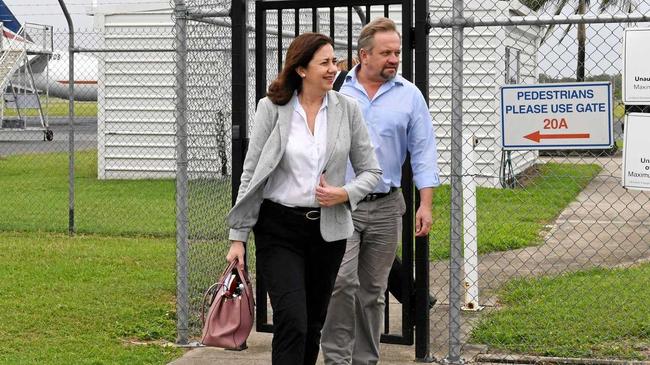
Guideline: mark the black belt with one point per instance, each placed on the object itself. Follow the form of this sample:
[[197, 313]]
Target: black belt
[[374, 196], [309, 213]]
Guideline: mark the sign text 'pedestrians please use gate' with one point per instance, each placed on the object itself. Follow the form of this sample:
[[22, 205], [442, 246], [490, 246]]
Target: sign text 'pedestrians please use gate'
[[556, 116]]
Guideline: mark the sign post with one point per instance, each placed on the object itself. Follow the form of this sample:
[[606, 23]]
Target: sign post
[[636, 154], [557, 116], [470, 225]]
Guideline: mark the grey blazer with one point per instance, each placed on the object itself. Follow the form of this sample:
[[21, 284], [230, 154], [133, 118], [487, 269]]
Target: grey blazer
[[347, 136]]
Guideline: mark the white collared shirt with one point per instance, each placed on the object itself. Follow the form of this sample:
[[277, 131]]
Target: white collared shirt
[[293, 183]]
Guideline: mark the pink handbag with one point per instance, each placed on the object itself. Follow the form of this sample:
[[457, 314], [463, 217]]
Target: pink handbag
[[230, 317]]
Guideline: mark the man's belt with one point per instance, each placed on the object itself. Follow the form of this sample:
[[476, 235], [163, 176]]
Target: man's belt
[[374, 196]]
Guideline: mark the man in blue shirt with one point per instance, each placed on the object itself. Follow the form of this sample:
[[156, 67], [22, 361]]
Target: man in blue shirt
[[398, 121]]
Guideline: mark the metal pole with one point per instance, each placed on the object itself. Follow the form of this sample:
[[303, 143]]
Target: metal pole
[[456, 187], [200, 13], [71, 227], [239, 18], [123, 50], [182, 288], [261, 312], [239, 81], [422, 320], [471, 22], [411, 196]]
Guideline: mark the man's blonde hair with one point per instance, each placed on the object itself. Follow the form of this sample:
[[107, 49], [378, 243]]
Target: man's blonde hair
[[367, 36]]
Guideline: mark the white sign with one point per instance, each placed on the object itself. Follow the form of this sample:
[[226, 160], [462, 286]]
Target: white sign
[[636, 73], [636, 152], [556, 116]]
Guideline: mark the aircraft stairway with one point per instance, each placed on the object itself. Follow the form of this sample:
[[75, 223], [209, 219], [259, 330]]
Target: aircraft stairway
[[9, 63], [16, 100]]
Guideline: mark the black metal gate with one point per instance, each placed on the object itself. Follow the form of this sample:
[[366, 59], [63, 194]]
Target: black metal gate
[[277, 22]]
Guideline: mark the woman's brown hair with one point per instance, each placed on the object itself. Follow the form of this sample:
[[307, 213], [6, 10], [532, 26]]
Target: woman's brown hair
[[300, 52]]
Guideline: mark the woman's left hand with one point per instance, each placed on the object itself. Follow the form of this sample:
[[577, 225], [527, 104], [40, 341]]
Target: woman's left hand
[[329, 195]]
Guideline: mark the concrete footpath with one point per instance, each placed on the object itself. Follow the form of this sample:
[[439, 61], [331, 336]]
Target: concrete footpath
[[259, 353], [606, 226]]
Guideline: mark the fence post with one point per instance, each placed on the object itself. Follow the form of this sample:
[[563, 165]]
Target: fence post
[[456, 186], [71, 226], [182, 288], [421, 255], [239, 17]]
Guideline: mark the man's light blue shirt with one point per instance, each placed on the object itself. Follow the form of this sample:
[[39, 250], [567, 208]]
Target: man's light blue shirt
[[398, 121]]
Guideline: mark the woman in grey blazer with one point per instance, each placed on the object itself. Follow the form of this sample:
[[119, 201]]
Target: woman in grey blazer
[[293, 193]]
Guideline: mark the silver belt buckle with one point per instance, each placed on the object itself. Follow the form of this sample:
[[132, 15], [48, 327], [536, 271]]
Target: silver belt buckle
[[312, 215]]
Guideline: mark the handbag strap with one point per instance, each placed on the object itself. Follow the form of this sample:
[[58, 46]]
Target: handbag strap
[[228, 270], [205, 299]]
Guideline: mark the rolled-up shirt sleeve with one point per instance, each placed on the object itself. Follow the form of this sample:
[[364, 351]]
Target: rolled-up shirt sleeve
[[422, 146]]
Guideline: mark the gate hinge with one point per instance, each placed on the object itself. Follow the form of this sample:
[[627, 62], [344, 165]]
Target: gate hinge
[[427, 30]]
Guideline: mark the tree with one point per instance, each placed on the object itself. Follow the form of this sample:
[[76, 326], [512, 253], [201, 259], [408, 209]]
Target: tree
[[581, 8]]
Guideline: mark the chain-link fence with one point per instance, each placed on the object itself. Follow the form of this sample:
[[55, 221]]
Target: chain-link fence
[[123, 161], [534, 252], [209, 119], [549, 252], [125, 132], [543, 254]]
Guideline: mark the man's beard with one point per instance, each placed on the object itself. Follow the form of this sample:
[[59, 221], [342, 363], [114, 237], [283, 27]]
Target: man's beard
[[386, 75]]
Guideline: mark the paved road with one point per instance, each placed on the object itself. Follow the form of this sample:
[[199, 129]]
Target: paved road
[[85, 137]]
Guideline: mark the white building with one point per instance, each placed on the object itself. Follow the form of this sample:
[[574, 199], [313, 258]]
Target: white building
[[493, 56], [136, 132]]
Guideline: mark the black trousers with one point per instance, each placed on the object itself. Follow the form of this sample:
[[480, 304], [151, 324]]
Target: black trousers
[[299, 269]]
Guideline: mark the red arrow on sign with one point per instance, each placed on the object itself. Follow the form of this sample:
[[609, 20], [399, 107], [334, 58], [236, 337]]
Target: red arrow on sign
[[536, 136]]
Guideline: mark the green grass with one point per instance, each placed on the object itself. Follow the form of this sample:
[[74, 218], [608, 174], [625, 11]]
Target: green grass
[[619, 110], [35, 193], [514, 218], [86, 299], [35, 198], [58, 108], [597, 314]]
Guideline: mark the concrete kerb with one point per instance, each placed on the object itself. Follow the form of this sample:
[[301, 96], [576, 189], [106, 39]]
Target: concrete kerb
[[523, 359]]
